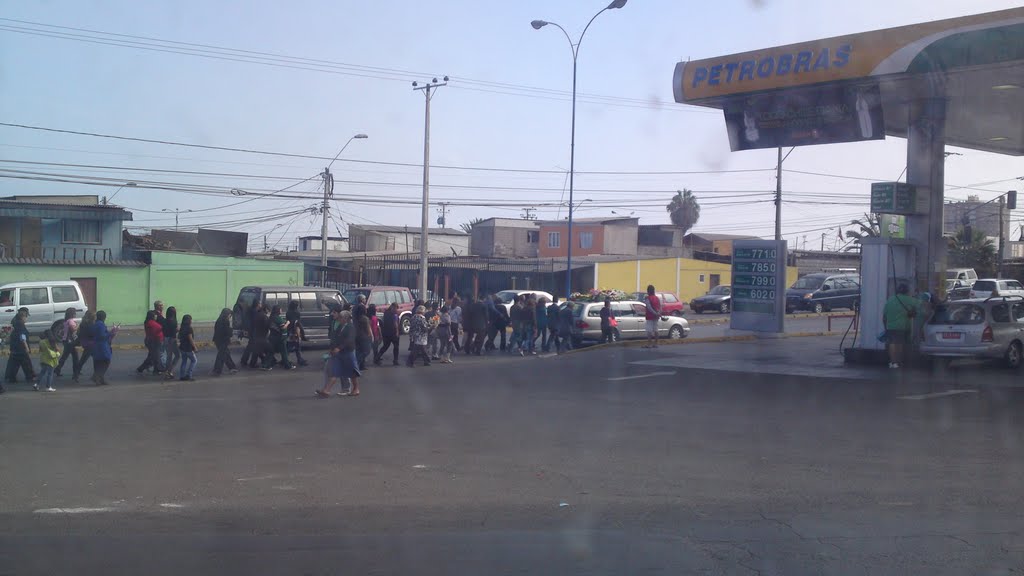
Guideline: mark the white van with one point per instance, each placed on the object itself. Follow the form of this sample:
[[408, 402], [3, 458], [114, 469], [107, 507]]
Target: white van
[[46, 300]]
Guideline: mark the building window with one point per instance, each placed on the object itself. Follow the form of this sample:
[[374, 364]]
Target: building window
[[532, 236], [82, 232], [586, 239], [701, 279], [554, 239]]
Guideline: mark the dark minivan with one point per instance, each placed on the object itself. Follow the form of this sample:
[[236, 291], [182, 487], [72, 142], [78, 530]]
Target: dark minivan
[[315, 305], [822, 291]]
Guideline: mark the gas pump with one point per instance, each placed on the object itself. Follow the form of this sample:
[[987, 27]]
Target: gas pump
[[885, 263]]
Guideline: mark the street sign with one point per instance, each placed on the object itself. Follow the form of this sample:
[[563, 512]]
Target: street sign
[[897, 198], [758, 285]]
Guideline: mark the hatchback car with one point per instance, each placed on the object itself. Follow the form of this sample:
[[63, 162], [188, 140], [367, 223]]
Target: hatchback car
[[719, 299], [671, 305], [976, 328], [989, 287], [630, 315]]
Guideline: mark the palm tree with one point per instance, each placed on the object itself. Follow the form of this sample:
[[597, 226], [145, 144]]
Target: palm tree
[[975, 251], [467, 227], [867, 227], [684, 210]]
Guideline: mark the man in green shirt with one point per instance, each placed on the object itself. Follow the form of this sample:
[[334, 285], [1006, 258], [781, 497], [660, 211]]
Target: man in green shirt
[[897, 316]]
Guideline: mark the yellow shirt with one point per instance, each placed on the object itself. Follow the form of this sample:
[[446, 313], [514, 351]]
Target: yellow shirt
[[47, 355]]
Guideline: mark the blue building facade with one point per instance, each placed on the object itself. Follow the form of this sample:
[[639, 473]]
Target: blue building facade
[[61, 229]]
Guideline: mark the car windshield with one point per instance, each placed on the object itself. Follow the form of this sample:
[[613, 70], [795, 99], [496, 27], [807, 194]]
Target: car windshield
[[958, 314], [808, 283], [719, 291]]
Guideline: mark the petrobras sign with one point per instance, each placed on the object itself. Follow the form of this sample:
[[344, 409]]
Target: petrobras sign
[[785, 64]]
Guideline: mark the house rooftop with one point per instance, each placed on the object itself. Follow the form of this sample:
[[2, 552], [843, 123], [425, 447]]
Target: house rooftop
[[406, 229]]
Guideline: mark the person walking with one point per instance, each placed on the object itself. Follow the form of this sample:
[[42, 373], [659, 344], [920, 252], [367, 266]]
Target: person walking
[[565, 321], [515, 315], [432, 317], [158, 307], [69, 339], [371, 313], [259, 333], [607, 317], [49, 354], [390, 333], [102, 351], [455, 313], [222, 339], [467, 325], [154, 343], [897, 315], [86, 339], [542, 323], [479, 326], [257, 308], [528, 320], [171, 352], [296, 332], [187, 345], [343, 363], [652, 313], [364, 335], [418, 330], [553, 322], [20, 358], [277, 341], [444, 335]]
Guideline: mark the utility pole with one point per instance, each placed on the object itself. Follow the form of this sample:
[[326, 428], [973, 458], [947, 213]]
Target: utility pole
[[328, 192], [427, 89], [778, 198], [176, 211], [822, 241], [528, 214], [1002, 241]]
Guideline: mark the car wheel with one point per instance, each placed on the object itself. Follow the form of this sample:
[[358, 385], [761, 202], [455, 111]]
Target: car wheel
[[406, 323], [1013, 355], [723, 307], [819, 307], [675, 332]]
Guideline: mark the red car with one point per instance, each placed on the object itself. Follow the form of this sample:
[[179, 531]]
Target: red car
[[670, 304], [383, 296]]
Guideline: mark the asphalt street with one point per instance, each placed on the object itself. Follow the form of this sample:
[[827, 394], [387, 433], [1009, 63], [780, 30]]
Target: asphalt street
[[611, 461]]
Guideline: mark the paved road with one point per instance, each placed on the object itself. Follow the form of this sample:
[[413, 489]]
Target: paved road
[[617, 461]]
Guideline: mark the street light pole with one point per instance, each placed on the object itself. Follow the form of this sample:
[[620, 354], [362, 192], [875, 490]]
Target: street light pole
[[325, 209], [176, 212], [106, 201], [575, 47], [425, 210]]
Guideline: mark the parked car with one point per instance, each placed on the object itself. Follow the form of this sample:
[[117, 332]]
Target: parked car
[[383, 296], [719, 299], [630, 316], [821, 292], [977, 328], [315, 306], [46, 300], [671, 305], [966, 275], [505, 297], [958, 289], [988, 287]]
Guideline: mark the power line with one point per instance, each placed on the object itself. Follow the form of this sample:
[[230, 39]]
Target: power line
[[377, 162]]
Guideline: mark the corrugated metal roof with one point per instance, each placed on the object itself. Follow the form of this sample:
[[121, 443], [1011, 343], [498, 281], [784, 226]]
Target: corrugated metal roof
[[19, 209], [45, 262]]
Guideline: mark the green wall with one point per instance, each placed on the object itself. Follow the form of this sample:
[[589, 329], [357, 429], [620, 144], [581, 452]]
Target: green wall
[[194, 284]]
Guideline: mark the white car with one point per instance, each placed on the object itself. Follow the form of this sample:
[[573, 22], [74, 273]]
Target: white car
[[505, 297], [988, 287]]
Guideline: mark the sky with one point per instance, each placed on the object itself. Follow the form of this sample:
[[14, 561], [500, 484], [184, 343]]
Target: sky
[[343, 68]]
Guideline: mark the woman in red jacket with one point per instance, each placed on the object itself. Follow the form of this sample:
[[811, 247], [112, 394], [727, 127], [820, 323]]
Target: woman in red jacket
[[154, 341]]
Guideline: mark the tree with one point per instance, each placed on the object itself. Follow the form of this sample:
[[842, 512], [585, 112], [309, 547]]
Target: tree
[[975, 251], [467, 227], [867, 227], [684, 210]]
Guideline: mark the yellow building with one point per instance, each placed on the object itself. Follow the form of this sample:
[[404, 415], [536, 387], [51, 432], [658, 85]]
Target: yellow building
[[686, 277]]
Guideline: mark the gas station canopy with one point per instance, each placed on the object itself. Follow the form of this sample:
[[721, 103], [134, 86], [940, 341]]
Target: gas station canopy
[[812, 92]]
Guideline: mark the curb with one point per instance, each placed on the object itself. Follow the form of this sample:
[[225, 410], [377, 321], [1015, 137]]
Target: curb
[[126, 347], [705, 340]]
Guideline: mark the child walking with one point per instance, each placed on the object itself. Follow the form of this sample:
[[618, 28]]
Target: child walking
[[187, 344], [49, 355]]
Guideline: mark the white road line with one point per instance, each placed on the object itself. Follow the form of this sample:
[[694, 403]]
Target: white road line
[[72, 510], [171, 505], [937, 394], [650, 375]]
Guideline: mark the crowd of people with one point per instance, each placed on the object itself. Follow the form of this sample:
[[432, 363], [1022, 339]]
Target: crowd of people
[[62, 340]]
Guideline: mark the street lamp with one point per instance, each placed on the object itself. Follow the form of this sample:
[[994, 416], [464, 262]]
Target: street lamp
[[176, 212], [328, 192], [575, 47], [129, 184]]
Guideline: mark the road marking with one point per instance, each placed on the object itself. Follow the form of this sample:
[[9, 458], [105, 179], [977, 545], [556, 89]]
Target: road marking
[[419, 466], [937, 394], [171, 505], [650, 375], [72, 510]]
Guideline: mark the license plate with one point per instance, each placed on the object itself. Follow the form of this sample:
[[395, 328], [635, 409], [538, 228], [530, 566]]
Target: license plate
[[952, 335]]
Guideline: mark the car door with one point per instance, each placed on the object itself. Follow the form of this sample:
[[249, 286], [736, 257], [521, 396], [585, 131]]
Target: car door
[[64, 297], [640, 310], [1013, 287], [313, 320], [40, 308], [625, 318]]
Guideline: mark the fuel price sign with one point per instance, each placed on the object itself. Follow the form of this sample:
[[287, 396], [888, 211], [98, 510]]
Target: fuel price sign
[[758, 285]]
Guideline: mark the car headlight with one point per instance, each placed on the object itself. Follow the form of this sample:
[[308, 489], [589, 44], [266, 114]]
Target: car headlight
[[808, 296]]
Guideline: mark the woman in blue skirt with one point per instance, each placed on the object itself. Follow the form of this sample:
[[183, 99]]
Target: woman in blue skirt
[[343, 363]]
